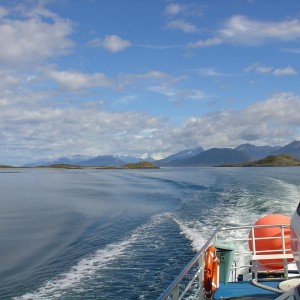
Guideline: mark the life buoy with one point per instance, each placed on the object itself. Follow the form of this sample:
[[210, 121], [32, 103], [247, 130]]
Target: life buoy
[[210, 272]]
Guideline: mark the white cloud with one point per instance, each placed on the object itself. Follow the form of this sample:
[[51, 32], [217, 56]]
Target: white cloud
[[285, 71], [210, 72], [9, 79], [3, 12], [29, 130], [124, 80], [181, 25], [159, 47], [271, 70], [273, 121], [178, 95], [258, 69], [28, 40], [242, 30], [295, 50], [173, 9], [205, 43], [76, 80], [95, 43], [114, 44]]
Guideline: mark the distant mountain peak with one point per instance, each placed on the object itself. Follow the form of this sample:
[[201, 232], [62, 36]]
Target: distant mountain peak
[[181, 155], [295, 144], [256, 152]]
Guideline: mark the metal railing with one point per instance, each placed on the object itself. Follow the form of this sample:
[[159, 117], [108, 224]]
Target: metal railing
[[182, 286], [189, 283]]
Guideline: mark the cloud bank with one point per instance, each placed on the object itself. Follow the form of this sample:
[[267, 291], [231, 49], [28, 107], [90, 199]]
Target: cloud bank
[[33, 130]]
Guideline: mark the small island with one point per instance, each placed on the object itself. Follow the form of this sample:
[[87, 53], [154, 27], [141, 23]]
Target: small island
[[62, 166], [280, 160], [140, 165]]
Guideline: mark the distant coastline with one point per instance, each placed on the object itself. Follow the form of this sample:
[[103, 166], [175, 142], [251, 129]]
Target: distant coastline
[[139, 165], [280, 160], [243, 155]]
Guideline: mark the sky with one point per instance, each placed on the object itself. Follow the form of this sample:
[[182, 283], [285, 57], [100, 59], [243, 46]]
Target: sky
[[146, 77]]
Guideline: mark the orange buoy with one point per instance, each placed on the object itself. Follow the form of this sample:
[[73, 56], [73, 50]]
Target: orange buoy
[[271, 239], [210, 280]]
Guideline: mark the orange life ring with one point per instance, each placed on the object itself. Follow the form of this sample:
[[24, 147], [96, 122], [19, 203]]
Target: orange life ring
[[210, 272]]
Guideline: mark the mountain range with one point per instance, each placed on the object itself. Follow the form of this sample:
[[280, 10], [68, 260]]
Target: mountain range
[[186, 158]]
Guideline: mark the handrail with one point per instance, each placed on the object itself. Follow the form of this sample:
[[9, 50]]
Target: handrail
[[173, 292], [172, 287]]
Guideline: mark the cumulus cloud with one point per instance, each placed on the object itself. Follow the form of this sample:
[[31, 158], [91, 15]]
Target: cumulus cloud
[[181, 25], [75, 81], [241, 30], [285, 71], [273, 121], [210, 72], [205, 43], [150, 77], [3, 12], [258, 68], [245, 31], [71, 80], [112, 43], [9, 79], [41, 131], [30, 130], [178, 95], [30, 39], [173, 9], [294, 50], [95, 43]]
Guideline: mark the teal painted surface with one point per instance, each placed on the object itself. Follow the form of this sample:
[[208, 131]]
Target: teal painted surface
[[245, 289]]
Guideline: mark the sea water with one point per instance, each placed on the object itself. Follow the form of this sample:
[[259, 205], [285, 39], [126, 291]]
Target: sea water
[[122, 234]]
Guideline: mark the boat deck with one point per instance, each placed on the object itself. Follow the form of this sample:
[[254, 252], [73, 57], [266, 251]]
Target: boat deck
[[239, 261], [243, 289]]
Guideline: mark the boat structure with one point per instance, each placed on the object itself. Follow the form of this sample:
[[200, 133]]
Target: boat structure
[[259, 261]]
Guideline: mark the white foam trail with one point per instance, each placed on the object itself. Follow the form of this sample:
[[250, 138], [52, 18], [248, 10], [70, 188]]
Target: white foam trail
[[192, 233], [87, 267], [291, 194], [279, 197]]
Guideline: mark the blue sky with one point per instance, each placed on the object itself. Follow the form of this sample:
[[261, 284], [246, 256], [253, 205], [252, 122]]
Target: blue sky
[[141, 77]]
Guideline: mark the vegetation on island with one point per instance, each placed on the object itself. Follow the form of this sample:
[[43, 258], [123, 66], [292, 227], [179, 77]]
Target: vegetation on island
[[140, 165], [5, 166], [280, 160], [276, 160], [63, 166]]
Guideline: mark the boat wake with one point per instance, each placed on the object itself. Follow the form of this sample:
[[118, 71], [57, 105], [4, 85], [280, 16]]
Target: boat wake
[[239, 206], [193, 234], [87, 268]]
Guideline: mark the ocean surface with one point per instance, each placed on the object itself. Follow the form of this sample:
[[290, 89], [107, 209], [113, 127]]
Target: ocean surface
[[122, 234]]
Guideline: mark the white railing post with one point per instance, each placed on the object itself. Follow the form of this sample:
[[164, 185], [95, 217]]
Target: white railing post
[[201, 275], [285, 266], [253, 241], [282, 239]]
